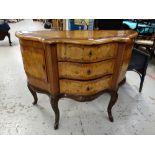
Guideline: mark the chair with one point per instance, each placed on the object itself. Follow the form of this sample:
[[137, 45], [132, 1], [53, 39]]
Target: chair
[[3, 34], [138, 63], [4, 31]]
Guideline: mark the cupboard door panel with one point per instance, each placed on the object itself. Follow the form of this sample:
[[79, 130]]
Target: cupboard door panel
[[34, 62]]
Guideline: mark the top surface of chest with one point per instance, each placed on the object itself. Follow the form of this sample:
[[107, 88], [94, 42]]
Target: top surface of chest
[[78, 37]]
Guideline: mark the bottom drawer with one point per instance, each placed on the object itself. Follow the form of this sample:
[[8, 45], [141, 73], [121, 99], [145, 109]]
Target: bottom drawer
[[85, 87]]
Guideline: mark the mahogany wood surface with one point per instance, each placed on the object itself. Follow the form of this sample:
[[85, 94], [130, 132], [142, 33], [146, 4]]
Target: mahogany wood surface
[[77, 64]]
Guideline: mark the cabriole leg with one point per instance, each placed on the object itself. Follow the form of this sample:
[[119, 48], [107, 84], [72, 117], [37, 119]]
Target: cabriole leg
[[113, 100], [54, 104], [34, 94]]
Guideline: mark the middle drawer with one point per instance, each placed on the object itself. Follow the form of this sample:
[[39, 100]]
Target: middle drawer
[[81, 71]]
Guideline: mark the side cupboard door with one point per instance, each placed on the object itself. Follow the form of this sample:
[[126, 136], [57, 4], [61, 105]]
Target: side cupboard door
[[33, 55]]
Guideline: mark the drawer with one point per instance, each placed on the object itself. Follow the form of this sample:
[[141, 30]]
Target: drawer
[[81, 53], [79, 71], [74, 87]]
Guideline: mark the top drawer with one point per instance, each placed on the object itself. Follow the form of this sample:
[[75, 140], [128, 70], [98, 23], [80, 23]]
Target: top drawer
[[86, 53]]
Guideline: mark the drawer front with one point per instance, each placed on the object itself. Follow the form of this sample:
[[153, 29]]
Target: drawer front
[[73, 87], [81, 53], [85, 71], [34, 62]]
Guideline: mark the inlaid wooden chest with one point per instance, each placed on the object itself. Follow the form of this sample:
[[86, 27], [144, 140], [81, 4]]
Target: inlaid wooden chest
[[77, 64]]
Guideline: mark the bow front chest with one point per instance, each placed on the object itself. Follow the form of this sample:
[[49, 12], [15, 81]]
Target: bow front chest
[[77, 64]]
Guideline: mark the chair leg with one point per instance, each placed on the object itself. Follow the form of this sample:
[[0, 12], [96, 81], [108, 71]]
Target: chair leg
[[9, 39], [141, 83]]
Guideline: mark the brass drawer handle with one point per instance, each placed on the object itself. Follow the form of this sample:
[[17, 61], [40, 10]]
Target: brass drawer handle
[[90, 53], [88, 71]]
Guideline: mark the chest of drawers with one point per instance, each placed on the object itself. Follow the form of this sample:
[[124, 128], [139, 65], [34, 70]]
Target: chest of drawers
[[77, 64]]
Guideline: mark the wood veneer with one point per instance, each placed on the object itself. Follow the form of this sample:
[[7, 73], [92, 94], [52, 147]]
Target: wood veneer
[[77, 64], [82, 71], [78, 53]]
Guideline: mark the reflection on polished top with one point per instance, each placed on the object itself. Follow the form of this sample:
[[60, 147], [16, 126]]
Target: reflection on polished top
[[78, 37]]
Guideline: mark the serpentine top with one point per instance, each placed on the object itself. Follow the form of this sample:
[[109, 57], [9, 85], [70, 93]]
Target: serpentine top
[[78, 37]]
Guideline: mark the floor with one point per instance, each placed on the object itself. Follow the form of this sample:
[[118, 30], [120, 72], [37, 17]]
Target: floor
[[134, 112]]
